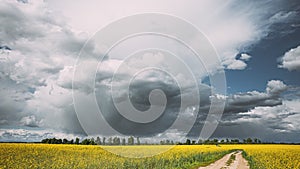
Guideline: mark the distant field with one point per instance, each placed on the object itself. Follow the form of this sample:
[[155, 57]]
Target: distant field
[[192, 156]]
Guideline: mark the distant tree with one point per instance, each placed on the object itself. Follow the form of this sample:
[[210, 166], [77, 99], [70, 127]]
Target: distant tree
[[235, 141], [215, 141], [138, 141], [85, 142], [109, 141], [130, 140], [200, 141], [193, 142], [65, 141], [188, 142], [222, 141], [249, 140], [178, 143], [123, 141], [103, 142], [98, 141], [119, 141], [92, 141], [77, 140], [88, 142], [72, 141], [207, 141], [53, 141], [168, 142], [45, 140], [116, 141]]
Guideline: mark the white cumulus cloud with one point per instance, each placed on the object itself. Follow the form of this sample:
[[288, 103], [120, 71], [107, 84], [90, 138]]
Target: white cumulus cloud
[[245, 56], [291, 59]]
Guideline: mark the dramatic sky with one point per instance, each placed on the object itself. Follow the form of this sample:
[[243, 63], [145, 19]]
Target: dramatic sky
[[257, 42]]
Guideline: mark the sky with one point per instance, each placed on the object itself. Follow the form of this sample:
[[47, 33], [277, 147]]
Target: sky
[[56, 79]]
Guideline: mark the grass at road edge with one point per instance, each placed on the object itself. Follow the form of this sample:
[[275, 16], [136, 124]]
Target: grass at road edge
[[207, 163], [251, 161], [230, 160]]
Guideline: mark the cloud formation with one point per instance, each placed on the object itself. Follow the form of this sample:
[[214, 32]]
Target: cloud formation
[[30, 121], [30, 134], [241, 102], [245, 57], [231, 27], [36, 47], [291, 59], [237, 63], [281, 118], [279, 122]]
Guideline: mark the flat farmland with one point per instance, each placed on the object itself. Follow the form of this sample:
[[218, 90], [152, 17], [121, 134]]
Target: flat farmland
[[13, 155]]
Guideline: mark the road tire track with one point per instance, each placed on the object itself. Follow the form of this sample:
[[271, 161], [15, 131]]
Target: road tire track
[[239, 163]]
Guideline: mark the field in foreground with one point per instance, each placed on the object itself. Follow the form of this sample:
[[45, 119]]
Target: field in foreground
[[193, 156]]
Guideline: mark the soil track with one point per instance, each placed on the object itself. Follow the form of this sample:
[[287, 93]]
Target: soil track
[[238, 163]]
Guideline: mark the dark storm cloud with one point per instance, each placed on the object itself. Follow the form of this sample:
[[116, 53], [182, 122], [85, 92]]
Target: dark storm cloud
[[264, 122], [246, 101], [139, 92], [139, 96], [242, 102], [277, 123], [12, 100]]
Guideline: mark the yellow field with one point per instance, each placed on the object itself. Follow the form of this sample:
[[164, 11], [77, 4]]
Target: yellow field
[[79, 156], [273, 156]]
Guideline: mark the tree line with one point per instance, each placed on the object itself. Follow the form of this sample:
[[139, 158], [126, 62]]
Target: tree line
[[136, 141], [223, 141], [92, 141]]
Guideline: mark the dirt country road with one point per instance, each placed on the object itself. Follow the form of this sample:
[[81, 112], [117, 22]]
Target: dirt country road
[[238, 163]]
